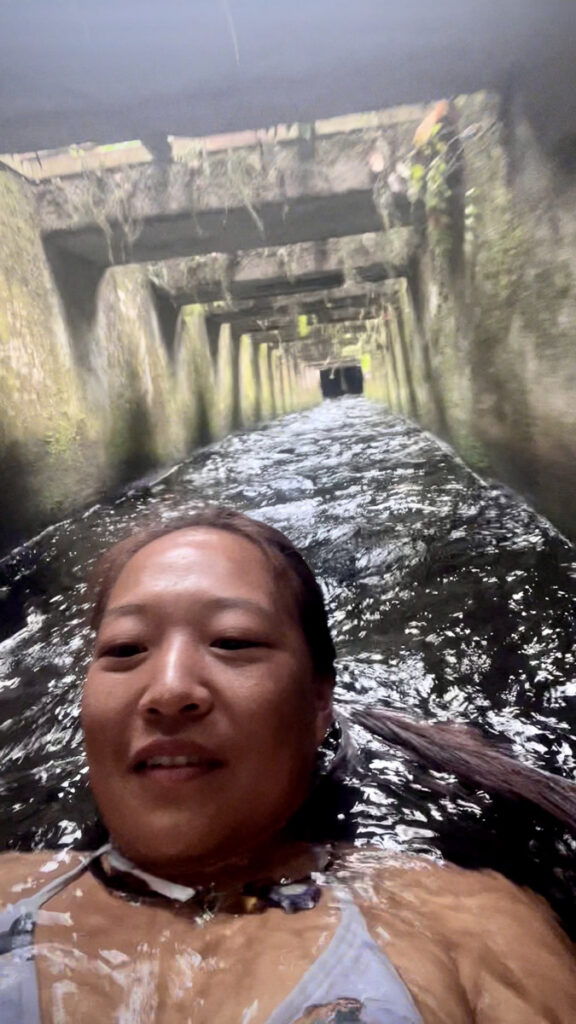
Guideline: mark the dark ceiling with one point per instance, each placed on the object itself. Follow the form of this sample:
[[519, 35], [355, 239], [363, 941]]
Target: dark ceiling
[[108, 70]]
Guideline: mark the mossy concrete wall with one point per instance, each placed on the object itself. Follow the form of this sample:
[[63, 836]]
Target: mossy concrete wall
[[50, 442], [480, 347], [95, 389]]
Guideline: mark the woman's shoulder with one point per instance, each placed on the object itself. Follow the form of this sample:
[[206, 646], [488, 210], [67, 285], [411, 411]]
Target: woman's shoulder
[[425, 872], [23, 874], [459, 900], [504, 941]]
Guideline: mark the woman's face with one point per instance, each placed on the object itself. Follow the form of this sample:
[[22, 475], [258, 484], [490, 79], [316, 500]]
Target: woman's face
[[202, 712]]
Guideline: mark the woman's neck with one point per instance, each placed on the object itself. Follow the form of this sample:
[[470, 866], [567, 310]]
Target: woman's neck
[[278, 860]]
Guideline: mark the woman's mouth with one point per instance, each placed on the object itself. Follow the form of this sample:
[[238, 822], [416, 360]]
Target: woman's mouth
[[168, 761], [170, 770], [180, 761]]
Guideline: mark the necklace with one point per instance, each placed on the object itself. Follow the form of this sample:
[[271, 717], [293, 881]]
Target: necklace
[[290, 894]]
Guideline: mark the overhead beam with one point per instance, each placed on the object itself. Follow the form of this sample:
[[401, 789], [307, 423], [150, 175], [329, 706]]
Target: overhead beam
[[325, 334], [225, 200], [288, 270], [313, 303], [272, 322]]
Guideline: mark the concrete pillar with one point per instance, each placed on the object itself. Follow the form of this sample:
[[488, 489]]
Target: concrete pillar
[[288, 377], [403, 364], [225, 380], [196, 379], [249, 382], [306, 377], [311, 379], [375, 362], [298, 400], [277, 383], [266, 393], [283, 384], [409, 365]]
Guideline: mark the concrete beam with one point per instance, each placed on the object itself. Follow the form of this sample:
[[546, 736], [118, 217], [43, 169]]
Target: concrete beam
[[224, 200], [288, 270], [289, 321], [320, 334], [350, 296]]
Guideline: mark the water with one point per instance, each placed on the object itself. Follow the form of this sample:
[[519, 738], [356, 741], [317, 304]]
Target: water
[[448, 598]]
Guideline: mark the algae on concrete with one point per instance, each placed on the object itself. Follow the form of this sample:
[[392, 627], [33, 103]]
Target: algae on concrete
[[46, 430]]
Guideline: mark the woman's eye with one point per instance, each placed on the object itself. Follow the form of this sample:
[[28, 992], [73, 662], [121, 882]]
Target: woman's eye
[[229, 643], [125, 650]]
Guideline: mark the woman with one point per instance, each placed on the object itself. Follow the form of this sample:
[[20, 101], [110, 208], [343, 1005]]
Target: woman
[[208, 697]]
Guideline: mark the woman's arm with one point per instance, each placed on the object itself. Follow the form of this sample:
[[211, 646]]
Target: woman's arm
[[516, 964], [472, 946]]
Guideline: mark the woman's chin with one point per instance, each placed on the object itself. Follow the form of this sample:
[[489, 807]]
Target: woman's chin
[[179, 854]]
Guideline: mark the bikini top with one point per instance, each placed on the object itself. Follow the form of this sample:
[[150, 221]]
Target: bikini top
[[351, 982]]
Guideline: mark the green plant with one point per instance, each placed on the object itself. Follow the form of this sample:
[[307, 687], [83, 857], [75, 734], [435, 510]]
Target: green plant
[[432, 174]]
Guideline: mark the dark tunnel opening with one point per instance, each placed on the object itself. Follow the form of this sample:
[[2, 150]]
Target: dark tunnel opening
[[336, 381]]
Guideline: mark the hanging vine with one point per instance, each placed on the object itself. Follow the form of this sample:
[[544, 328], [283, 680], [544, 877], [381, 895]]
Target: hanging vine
[[436, 168]]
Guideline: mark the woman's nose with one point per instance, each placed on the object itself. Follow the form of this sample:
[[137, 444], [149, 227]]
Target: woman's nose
[[178, 682]]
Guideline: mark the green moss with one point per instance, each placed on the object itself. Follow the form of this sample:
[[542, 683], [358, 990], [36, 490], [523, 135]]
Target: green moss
[[303, 326], [62, 436], [351, 351], [542, 295]]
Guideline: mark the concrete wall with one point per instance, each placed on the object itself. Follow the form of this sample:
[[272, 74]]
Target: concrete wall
[[97, 387], [481, 349], [50, 444]]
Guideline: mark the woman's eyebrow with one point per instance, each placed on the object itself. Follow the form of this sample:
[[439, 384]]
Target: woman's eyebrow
[[123, 609], [223, 603], [212, 604]]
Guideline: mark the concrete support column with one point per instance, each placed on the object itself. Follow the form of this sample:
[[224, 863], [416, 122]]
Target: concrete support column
[[375, 362], [297, 400], [306, 377], [196, 379], [287, 377], [249, 381], [225, 380], [277, 383], [266, 393]]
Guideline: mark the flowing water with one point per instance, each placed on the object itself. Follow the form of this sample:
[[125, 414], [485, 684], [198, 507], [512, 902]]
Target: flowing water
[[448, 598]]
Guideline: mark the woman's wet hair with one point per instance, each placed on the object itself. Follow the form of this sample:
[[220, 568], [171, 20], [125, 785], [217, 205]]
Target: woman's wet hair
[[287, 563], [476, 761]]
